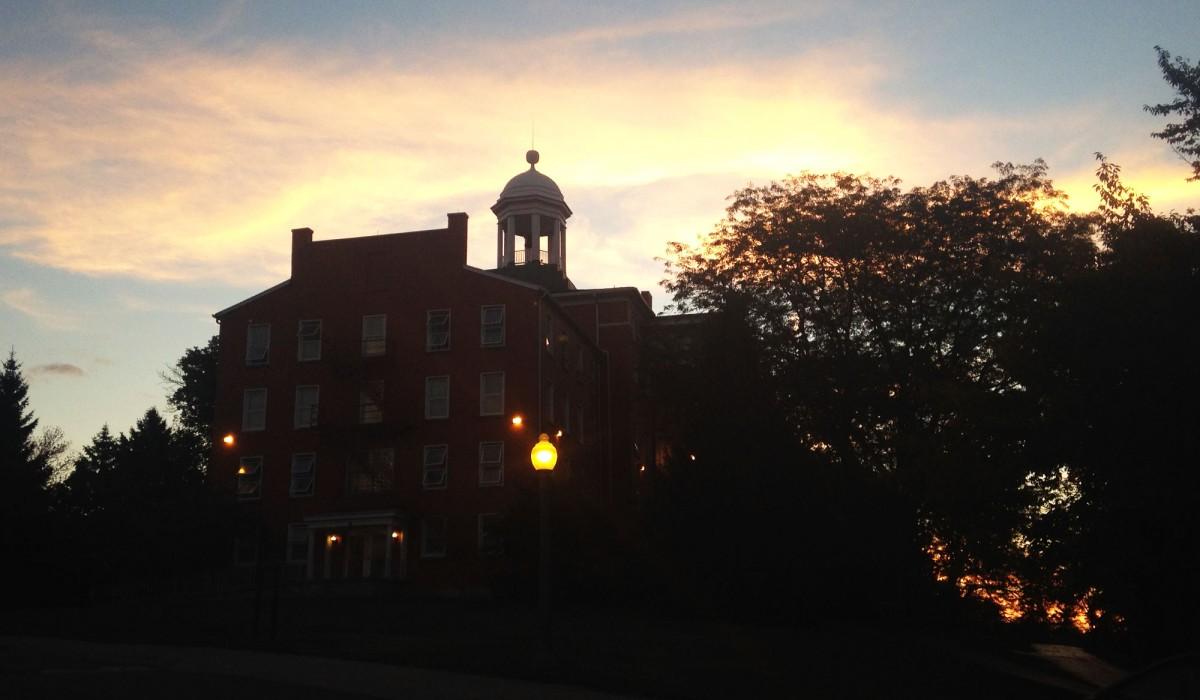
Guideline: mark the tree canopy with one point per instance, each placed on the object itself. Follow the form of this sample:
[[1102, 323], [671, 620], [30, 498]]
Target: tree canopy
[[1184, 136]]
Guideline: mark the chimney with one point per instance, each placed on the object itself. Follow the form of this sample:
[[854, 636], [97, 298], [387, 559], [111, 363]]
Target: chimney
[[301, 240], [648, 299], [456, 226]]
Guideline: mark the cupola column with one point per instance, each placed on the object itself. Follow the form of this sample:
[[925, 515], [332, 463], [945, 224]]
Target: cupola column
[[554, 243]]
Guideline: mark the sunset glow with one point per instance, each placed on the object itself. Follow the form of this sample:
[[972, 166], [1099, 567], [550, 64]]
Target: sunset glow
[[154, 159]]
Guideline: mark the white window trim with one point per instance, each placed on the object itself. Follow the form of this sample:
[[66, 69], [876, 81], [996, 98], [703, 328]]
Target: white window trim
[[500, 480], [266, 358], [483, 325], [312, 484], [429, 346], [426, 553], [425, 485], [482, 396], [245, 412], [428, 397], [296, 407], [258, 491], [382, 338], [300, 340]]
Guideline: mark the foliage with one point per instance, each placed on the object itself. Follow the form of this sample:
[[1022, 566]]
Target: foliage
[[888, 322], [1184, 136], [193, 390]]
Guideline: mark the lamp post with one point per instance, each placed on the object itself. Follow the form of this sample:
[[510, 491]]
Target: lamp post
[[544, 456]]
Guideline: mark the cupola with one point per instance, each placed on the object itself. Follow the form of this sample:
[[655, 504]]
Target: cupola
[[532, 208]]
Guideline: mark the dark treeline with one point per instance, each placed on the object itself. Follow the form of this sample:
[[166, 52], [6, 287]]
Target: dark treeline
[[962, 382], [133, 513]]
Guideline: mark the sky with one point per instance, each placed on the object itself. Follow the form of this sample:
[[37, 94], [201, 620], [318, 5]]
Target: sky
[[155, 155]]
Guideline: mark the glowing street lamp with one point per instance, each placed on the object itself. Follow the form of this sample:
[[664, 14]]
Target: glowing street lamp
[[544, 456]]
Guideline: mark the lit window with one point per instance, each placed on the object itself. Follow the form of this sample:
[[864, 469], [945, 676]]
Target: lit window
[[297, 550], [437, 397], [258, 343], [433, 537], [437, 330], [306, 406], [491, 326], [303, 472], [491, 463], [249, 482], [434, 473], [374, 335], [370, 402], [491, 540], [254, 409], [491, 393], [372, 471], [308, 341]]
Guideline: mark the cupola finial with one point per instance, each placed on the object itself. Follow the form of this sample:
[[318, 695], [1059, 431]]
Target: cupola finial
[[531, 157]]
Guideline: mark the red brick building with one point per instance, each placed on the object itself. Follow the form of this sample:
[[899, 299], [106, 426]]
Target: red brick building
[[371, 398]]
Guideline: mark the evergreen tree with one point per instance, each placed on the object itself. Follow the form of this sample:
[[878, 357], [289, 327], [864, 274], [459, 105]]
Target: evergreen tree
[[90, 480], [24, 473]]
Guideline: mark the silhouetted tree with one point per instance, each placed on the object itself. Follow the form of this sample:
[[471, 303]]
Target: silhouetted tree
[[193, 382], [888, 322], [1183, 136], [1118, 377], [91, 477], [25, 525]]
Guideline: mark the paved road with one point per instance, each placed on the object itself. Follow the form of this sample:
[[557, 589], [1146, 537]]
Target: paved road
[[32, 668]]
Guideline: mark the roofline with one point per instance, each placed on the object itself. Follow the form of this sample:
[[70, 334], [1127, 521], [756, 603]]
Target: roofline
[[505, 278], [243, 302], [634, 291], [683, 319]]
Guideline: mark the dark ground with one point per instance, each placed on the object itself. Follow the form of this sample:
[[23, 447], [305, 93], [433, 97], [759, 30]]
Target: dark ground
[[615, 651]]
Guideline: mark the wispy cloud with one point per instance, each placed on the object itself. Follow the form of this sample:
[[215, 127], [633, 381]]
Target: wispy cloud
[[176, 162], [28, 302], [62, 369]]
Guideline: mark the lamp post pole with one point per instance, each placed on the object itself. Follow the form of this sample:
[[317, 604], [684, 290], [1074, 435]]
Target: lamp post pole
[[544, 456]]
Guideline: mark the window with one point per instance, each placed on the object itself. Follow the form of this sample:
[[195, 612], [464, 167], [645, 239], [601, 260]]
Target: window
[[434, 473], [303, 474], [297, 547], [491, 463], [437, 330], [491, 326], [306, 406], [249, 482], [374, 335], [491, 540], [370, 402], [437, 397], [254, 409], [491, 393], [258, 343], [433, 537], [372, 472], [308, 341]]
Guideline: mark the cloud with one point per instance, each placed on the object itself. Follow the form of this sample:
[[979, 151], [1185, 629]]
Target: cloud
[[28, 302], [61, 369], [160, 159]]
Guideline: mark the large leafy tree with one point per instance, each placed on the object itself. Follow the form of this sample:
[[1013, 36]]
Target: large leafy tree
[[1184, 136], [889, 323], [193, 389]]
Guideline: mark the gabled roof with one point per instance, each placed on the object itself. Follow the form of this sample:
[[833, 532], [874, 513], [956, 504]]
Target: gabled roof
[[226, 311]]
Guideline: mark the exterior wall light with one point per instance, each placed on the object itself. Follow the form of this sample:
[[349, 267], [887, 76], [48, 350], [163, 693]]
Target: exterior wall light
[[332, 539], [241, 470], [397, 535], [517, 421], [228, 439], [543, 455]]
